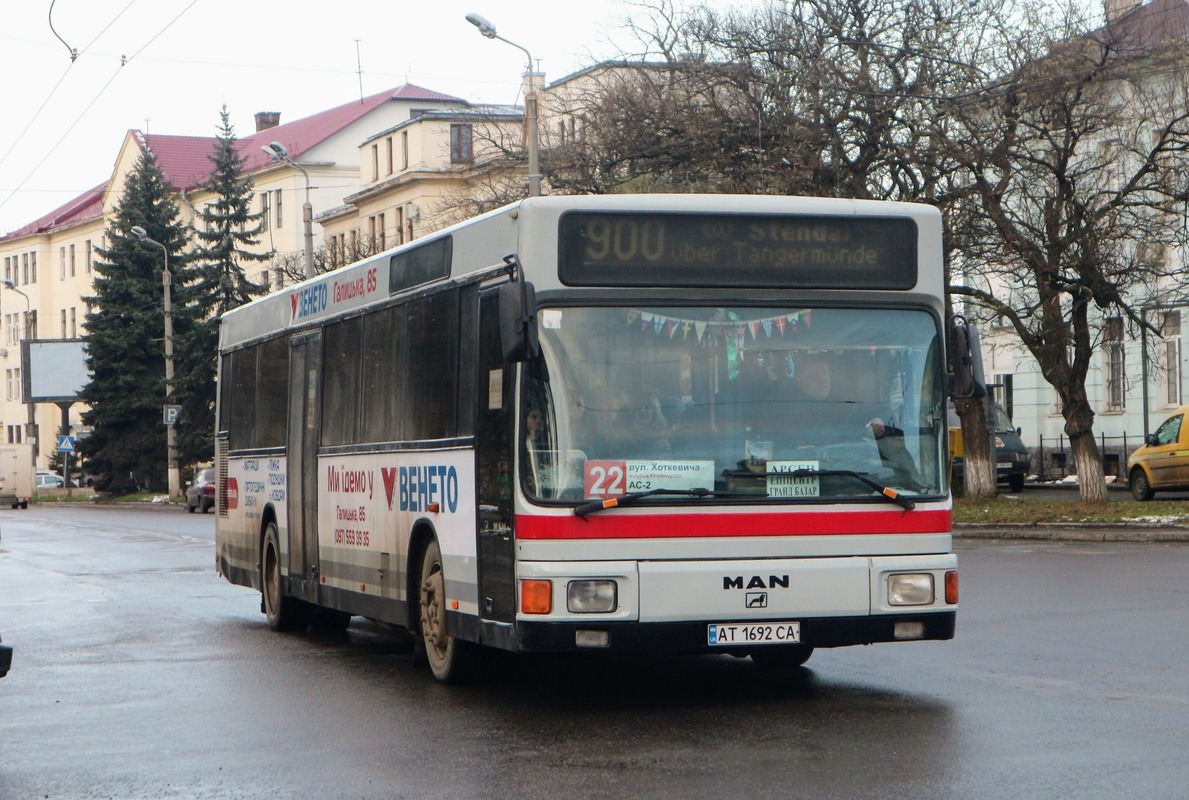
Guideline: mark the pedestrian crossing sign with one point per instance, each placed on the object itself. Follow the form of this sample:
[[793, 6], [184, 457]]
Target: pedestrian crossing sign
[[65, 444]]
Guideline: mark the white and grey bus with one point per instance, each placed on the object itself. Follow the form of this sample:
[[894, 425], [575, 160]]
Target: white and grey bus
[[686, 423]]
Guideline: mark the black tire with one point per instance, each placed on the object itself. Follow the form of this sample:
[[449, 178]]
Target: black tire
[[205, 506], [189, 508], [1015, 482], [449, 659], [782, 657], [1140, 488], [283, 613]]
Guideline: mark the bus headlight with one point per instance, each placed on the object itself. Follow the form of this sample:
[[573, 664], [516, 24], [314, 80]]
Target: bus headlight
[[591, 597], [910, 589]]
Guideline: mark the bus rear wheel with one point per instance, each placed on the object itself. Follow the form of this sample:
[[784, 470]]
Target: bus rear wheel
[[448, 658], [283, 613], [782, 656]]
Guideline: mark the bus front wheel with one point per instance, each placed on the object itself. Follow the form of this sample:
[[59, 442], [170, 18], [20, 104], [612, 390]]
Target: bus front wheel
[[448, 658], [283, 613]]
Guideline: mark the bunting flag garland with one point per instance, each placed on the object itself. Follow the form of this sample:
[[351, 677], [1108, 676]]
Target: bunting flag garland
[[726, 327]]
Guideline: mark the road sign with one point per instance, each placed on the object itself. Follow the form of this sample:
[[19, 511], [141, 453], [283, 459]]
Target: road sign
[[169, 414], [65, 444]]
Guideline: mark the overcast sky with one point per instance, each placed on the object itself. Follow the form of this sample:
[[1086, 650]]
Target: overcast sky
[[64, 121]]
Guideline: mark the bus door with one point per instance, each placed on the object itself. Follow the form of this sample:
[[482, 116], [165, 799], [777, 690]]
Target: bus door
[[493, 453], [305, 367]]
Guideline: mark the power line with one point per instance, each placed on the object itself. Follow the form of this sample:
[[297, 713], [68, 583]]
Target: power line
[[94, 100]]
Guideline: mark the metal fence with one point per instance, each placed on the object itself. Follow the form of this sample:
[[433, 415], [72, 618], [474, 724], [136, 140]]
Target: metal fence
[[1053, 460]]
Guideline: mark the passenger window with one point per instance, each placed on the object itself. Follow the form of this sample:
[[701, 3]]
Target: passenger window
[[1169, 432]]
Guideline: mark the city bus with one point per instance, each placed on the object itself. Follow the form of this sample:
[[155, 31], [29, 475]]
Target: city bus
[[678, 423]]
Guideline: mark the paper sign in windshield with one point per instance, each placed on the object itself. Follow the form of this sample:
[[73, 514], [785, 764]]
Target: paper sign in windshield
[[788, 485], [606, 478]]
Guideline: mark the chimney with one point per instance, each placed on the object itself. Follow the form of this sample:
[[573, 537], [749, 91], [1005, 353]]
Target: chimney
[[267, 119], [1117, 8]]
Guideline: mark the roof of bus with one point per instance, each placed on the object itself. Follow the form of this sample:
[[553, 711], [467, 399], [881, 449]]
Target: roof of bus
[[498, 233]]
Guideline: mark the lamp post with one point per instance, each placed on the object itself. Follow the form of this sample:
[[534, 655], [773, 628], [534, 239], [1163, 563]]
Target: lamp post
[[278, 153], [171, 438], [530, 104], [30, 426]]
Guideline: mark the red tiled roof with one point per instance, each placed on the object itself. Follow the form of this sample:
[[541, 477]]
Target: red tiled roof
[[302, 134], [184, 159], [87, 205], [1147, 26]]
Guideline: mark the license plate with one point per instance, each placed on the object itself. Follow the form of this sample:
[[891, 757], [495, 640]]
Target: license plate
[[733, 633]]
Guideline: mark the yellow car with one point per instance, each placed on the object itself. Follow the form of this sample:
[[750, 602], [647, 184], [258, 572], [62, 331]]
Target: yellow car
[[1162, 463]]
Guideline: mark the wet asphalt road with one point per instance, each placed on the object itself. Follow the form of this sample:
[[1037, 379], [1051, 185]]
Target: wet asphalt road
[[138, 673]]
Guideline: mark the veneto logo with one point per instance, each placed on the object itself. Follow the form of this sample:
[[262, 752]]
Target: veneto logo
[[308, 301], [232, 493]]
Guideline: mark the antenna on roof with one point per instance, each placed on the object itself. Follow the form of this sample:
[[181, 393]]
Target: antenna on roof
[[359, 70]]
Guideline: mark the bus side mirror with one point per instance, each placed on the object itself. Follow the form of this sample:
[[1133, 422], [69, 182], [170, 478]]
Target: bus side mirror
[[966, 360], [518, 321]]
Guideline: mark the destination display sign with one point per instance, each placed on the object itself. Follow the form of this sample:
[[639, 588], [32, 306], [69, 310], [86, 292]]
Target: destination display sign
[[743, 250]]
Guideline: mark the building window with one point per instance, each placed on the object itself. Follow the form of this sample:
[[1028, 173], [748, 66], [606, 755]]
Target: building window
[[63, 323], [7, 269], [24, 268], [276, 198], [33, 267], [383, 234], [72, 261], [87, 255], [73, 324], [1116, 368], [399, 225], [265, 209], [404, 149], [62, 263], [375, 162], [388, 148], [1171, 331], [460, 144]]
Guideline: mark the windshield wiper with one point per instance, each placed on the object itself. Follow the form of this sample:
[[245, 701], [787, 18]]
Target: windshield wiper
[[886, 491], [627, 499]]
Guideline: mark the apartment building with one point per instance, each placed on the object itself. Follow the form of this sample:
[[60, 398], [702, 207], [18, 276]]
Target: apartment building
[[48, 263]]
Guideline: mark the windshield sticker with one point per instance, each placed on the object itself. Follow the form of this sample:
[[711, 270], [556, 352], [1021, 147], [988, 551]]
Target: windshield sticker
[[551, 319], [781, 483], [617, 478]]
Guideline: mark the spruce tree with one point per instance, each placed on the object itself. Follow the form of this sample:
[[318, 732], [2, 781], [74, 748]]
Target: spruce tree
[[227, 232], [125, 327]]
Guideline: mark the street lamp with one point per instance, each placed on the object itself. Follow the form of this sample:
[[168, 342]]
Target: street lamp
[[171, 440], [278, 153], [530, 104]]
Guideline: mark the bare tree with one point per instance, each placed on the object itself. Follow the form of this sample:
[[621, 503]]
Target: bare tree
[[1070, 164]]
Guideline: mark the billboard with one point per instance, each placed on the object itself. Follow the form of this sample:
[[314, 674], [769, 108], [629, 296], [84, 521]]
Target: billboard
[[53, 370]]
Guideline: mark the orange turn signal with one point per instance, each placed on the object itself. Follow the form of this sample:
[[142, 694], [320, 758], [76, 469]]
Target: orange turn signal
[[951, 588], [536, 596]]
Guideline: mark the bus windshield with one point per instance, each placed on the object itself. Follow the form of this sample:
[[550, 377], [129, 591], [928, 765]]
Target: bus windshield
[[733, 400]]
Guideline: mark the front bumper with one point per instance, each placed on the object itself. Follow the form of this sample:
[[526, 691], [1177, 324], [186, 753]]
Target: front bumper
[[690, 637]]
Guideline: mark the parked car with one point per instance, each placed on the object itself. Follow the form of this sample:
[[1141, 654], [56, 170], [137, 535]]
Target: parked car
[[1011, 456], [5, 659], [201, 491], [1162, 462], [48, 480]]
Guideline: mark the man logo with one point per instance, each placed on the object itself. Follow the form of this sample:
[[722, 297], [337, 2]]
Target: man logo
[[755, 582]]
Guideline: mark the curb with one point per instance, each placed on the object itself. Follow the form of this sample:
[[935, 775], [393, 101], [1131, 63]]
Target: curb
[[1072, 532]]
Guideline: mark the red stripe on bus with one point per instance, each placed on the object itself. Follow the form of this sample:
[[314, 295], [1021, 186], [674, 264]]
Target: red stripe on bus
[[613, 525]]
